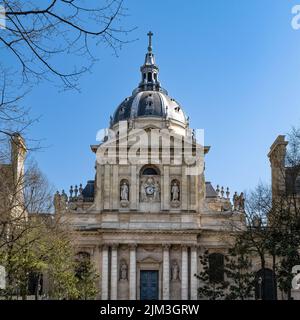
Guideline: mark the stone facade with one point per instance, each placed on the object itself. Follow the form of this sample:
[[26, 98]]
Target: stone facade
[[11, 179], [153, 215]]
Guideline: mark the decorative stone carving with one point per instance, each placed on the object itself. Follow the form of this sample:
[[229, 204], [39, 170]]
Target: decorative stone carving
[[124, 193], [123, 271], [238, 202], [175, 191], [175, 272], [57, 201], [143, 192], [63, 200], [235, 200], [242, 202], [175, 194], [150, 190], [156, 191]]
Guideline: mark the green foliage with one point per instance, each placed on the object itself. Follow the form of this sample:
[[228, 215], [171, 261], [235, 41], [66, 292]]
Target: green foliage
[[239, 280], [46, 248], [237, 269], [60, 270], [209, 289], [284, 243], [86, 279]]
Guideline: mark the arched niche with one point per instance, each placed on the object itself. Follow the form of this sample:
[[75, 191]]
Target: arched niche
[[175, 190], [150, 184], [124, 192]]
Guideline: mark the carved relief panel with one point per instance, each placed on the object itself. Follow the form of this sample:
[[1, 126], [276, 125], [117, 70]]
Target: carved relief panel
[[150, 189]]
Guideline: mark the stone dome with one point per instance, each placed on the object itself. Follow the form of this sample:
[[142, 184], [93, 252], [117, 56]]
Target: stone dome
[[149, 103], [149, 99]]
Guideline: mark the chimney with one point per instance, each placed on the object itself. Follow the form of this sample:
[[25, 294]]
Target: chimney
[[277, 160], [18, 154]]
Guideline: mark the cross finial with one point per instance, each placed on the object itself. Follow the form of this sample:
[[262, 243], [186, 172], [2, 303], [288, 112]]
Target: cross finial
[[150, 34]]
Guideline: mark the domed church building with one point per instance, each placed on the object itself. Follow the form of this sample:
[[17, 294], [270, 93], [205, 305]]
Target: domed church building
[[149, 212]]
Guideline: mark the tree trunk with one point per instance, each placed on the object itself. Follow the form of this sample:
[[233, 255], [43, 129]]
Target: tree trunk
[[263, 267], [37, 286], [274, 275]]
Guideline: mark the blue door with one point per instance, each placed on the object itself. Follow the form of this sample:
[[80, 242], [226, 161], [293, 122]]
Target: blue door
[[149, 285]]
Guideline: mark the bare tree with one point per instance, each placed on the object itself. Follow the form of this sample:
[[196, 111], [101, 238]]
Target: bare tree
[[40, 34], [40, 39]]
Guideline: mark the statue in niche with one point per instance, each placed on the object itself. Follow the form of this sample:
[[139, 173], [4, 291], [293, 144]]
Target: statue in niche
[[123, 271], [124, 191], [175, 271], [175, 191]]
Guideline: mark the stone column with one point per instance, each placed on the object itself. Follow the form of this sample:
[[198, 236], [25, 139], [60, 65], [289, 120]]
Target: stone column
[[107, 192], [184, 188], [104, 291], [99, 189], [115, 188], [133, 189], [166, 189], [184, 273], [114, 273], [166, 272], [193, 192], [132, 272], [194, 280]]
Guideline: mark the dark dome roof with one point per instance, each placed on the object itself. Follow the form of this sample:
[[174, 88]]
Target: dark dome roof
[[149, 104], [89, 191]]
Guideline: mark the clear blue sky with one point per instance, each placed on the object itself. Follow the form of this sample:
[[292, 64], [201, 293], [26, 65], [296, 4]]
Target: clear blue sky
[[233, 65]]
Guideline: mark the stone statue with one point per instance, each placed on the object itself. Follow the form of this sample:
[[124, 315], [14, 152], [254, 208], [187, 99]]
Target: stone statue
[[239, 202], [124, 191], [63, 200], [123, 271], [156, 191], [143, 192], [175, 192], [242, 202], [175, 271], [235, 201], [56, 200]]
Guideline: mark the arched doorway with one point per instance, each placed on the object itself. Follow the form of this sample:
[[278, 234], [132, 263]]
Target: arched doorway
[[265, 285]]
